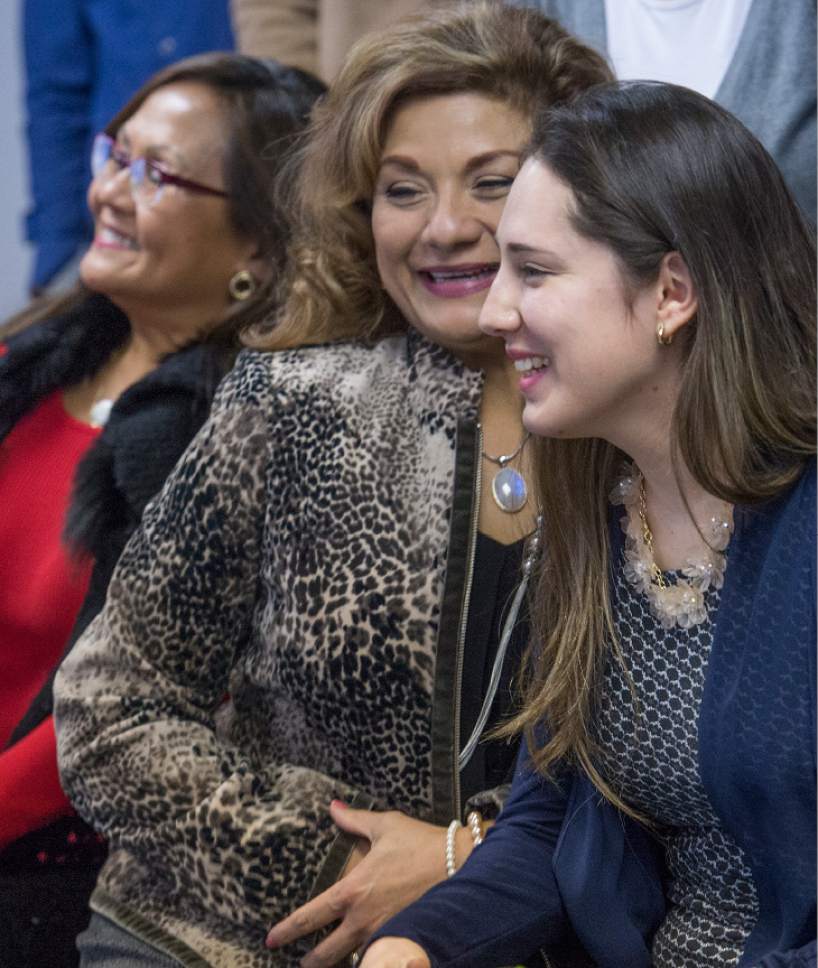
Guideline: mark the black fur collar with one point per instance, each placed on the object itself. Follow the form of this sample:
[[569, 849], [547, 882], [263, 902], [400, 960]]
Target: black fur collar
[[149, 428], [55, 353]]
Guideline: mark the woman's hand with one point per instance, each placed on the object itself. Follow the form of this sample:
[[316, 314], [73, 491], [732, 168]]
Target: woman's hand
[[395, 953], [405, 859]]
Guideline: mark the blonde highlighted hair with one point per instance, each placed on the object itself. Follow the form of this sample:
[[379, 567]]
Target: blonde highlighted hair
[[332, 290]]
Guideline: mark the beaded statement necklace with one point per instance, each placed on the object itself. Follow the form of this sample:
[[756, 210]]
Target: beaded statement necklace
[[682, 603]]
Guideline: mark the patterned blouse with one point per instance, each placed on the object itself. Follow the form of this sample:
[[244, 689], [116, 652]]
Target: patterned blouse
[[650, 756]]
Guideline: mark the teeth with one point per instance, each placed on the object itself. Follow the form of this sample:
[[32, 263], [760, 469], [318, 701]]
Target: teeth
[[117, 238], [531, 363], [454, 274]]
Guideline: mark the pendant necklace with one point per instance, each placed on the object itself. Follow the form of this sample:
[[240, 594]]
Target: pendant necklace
[[508, 487]]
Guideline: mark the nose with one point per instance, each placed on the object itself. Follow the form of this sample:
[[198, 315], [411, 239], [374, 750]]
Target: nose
[[499, 315], [451, 223], [113, 190]]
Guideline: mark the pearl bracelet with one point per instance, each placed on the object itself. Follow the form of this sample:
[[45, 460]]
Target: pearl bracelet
[[451, 866], [475, 822], [475, 825]]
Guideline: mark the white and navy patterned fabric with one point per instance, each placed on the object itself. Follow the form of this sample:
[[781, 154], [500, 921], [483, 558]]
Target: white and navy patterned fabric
[[649, 752]]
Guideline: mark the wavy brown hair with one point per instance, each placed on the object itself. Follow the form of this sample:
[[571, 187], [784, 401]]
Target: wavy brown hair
[[655, 168], [515, 55]]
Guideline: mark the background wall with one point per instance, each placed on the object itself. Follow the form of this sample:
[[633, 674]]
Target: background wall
[[15, 253]]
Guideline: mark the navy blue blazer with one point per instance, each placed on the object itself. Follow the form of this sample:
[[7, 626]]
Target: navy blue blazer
[[561, 860]]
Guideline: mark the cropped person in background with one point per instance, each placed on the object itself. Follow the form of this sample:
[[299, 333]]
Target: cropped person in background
[[757, 58], [657, 285], [100, 392], [84, 59], [341, 549], [312, 34]]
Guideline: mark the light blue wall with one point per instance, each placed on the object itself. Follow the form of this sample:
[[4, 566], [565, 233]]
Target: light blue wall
[[15, 253]]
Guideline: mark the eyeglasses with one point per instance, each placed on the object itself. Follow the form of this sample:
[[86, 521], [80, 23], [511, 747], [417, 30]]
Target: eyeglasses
[[147, 178]]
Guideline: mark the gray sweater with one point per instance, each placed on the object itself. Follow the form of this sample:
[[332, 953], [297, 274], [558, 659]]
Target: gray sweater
[[769, 85]]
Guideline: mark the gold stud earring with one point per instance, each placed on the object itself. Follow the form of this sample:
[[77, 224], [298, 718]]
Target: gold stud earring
[[660, 335], [242, 285]]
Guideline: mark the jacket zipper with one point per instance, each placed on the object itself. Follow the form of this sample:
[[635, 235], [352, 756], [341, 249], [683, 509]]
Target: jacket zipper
[[461, 636], [464, 614]]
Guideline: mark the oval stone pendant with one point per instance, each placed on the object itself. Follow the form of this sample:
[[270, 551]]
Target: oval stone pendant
[[509, 490]]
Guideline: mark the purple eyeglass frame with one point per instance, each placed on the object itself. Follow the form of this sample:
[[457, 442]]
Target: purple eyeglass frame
[[105, 145]]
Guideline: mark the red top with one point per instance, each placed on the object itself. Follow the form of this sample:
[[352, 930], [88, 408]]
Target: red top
[[41, 592]]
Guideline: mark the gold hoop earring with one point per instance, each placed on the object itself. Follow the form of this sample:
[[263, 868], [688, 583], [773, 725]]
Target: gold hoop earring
[[660, 335], [242, 285]]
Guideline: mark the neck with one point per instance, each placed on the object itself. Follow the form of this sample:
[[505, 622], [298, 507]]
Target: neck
[[500, 377], [677, 506], [671, 489], [158, 331]]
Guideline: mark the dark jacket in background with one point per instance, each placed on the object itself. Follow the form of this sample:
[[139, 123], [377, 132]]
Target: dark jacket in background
[[150, 426]]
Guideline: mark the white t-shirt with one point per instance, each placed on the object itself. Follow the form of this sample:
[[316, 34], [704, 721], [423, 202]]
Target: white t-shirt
[[688, 42]]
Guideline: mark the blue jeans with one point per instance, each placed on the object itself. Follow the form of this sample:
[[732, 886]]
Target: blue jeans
[[106, 945]]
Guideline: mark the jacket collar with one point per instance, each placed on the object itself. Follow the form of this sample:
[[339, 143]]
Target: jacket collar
[[57, 352], [439, 382]]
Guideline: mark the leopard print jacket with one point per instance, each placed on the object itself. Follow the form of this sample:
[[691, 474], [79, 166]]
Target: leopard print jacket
[[305, 558]]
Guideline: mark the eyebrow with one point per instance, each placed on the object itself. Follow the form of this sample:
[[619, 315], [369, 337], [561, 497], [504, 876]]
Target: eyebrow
[[409, 164], [519, 248], [171, 154]]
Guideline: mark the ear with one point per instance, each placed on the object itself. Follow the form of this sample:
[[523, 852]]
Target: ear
[[677, 297], [261, 268]]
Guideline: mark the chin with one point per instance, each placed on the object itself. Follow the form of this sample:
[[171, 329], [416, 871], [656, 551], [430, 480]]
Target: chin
[[541, 425]]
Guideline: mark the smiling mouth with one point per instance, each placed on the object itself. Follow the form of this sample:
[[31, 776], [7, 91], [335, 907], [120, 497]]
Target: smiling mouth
[[529, 363], [108, 238], [458, 281], [488, 270]]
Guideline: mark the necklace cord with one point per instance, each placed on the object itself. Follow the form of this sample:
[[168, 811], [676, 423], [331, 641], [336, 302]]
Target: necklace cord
[[497, 668], [503, 459]]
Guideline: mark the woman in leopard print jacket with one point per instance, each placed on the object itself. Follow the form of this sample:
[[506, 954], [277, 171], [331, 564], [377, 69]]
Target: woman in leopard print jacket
[[321, 555]]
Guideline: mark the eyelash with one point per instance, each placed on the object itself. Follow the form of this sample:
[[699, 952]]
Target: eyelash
[[494, 183], [408, 193], [531, 272], [401, 193]]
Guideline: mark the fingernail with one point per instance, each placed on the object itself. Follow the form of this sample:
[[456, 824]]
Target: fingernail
[[341, 804]]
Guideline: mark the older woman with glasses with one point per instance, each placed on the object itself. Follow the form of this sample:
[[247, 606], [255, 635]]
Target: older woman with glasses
[[100, 393]]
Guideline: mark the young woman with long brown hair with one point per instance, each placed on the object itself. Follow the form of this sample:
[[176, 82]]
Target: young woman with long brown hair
[[657, 293]]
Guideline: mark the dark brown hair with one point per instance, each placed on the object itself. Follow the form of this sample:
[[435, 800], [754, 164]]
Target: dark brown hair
[[654, 168]]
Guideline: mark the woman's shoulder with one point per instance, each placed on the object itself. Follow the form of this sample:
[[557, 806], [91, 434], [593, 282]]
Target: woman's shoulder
[[328, 369], [791, 512]]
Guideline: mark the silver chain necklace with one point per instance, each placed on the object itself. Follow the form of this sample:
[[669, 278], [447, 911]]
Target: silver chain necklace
[[508, 487], [531, 552]]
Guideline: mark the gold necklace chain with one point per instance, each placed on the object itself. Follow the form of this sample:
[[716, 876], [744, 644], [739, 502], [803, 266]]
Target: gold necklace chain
[[647, 536]]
